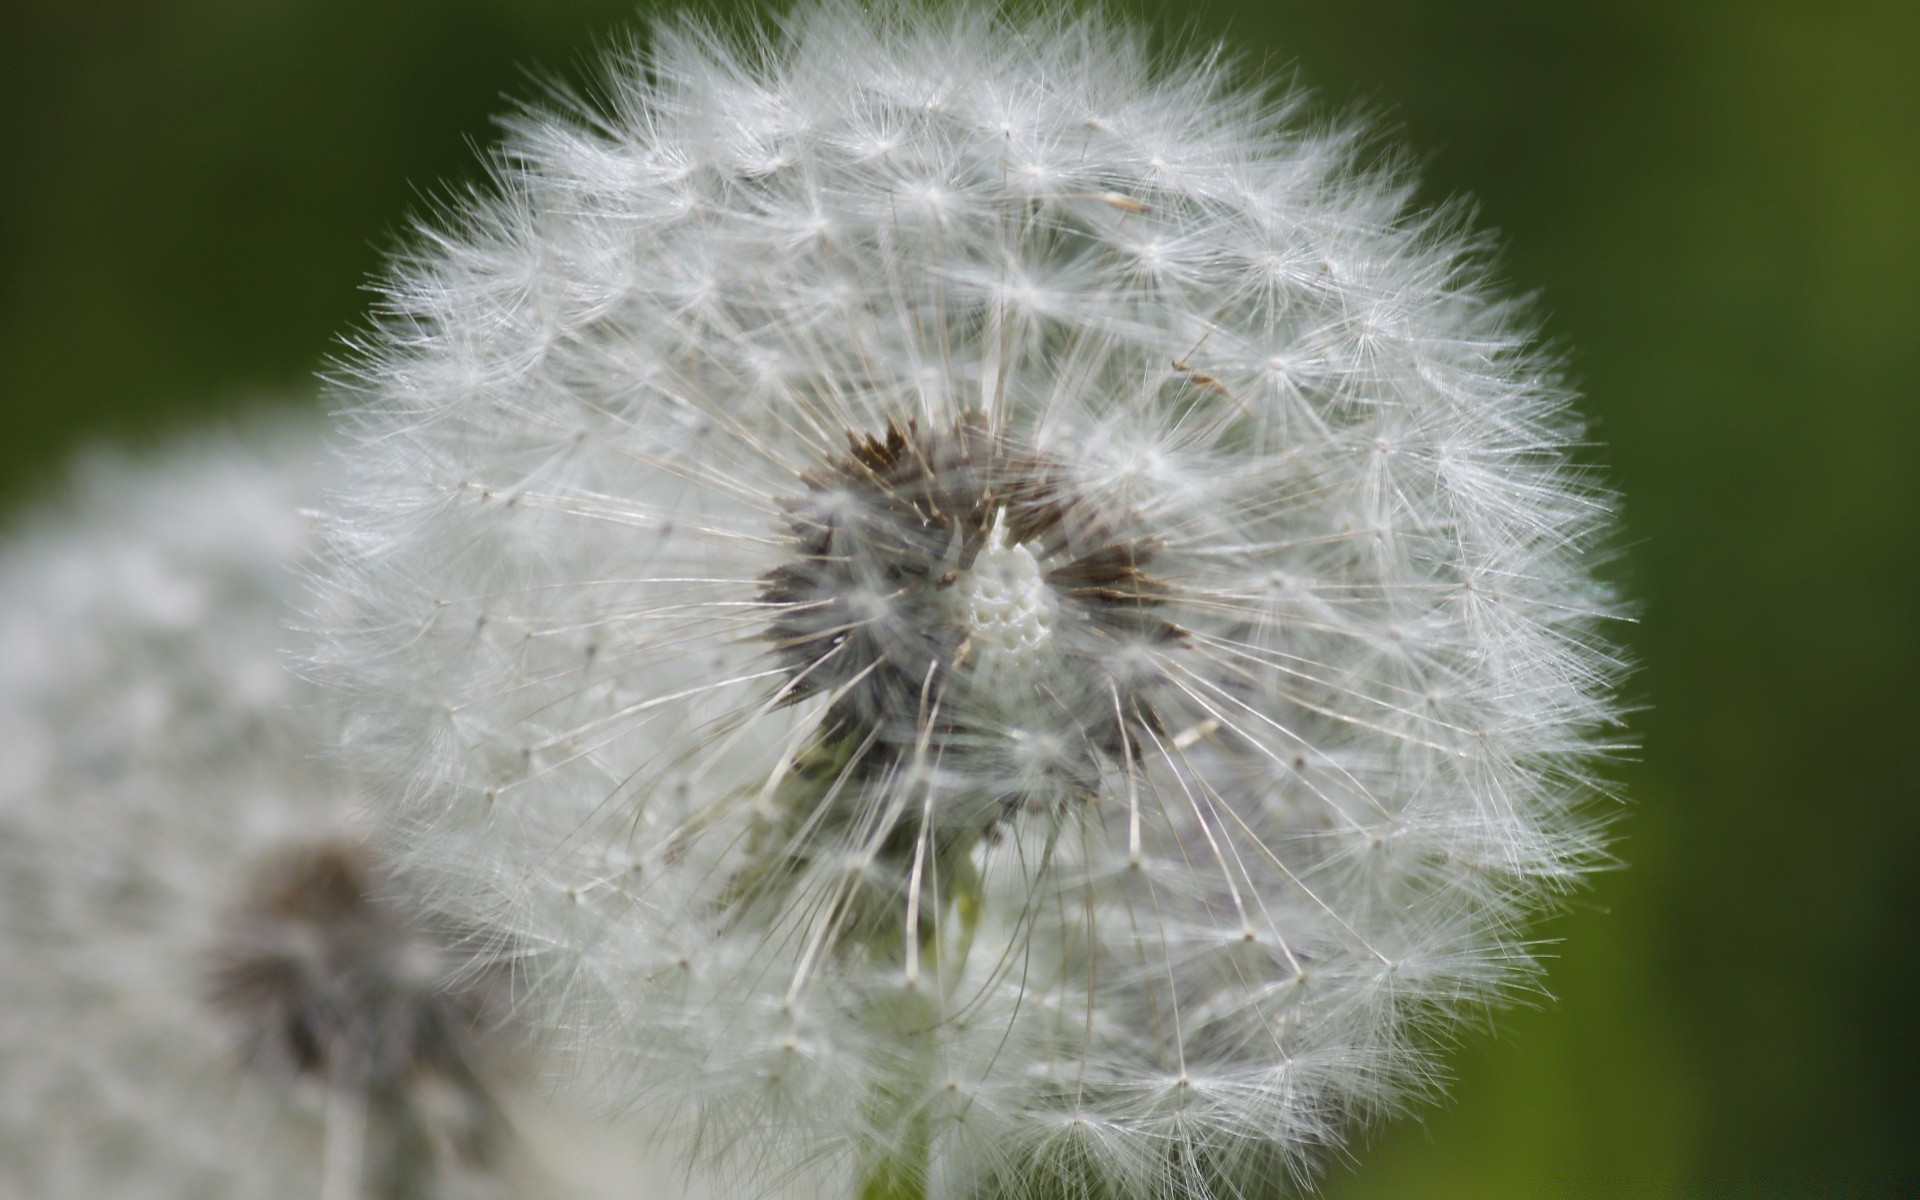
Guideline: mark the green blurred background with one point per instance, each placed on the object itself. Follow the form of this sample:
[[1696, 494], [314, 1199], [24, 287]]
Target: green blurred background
[[1720, 203]]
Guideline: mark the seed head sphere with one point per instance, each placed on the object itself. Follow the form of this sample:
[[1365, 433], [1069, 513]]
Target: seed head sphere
[[978, 604], [209, 989]]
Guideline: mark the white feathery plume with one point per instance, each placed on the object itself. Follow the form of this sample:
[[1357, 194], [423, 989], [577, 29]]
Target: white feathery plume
[[980, 606], [210, 988]]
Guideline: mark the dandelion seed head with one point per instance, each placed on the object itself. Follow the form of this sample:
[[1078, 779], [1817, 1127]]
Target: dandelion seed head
[[990, 603], [210, 983]]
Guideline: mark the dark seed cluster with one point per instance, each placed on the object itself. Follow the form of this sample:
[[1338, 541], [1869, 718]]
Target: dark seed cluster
[[884, 531], [323, 978]]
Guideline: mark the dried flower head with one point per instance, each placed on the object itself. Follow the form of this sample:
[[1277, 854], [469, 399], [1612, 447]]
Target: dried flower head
[[1000, 609], [209, 984]]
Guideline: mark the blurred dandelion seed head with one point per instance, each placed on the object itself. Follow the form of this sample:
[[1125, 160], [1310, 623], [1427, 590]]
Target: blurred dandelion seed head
[[200, 959]]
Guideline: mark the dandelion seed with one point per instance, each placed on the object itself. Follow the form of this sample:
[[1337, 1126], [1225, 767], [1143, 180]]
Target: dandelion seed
[[1043, 637]]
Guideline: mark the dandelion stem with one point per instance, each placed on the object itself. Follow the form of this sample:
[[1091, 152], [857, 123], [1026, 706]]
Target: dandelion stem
[[346, 1129]]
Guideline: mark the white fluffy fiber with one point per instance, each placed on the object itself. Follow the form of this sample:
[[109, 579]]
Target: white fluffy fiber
[[1226, 883], [154, 744], [157, 755]]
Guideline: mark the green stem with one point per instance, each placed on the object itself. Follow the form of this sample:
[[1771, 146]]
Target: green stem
[[896, 1162]]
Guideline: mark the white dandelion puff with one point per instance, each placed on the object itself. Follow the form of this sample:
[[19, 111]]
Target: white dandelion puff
[[210, 987], [980, 606]]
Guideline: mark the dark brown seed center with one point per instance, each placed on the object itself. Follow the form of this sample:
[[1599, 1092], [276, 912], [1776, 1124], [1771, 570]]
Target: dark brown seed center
[[882, 533]]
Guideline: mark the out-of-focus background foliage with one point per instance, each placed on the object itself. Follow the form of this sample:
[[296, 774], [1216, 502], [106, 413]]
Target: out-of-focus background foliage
[[1719, 201]]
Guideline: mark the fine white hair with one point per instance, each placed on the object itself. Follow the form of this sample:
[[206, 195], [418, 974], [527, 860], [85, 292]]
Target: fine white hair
[[209, 987], [978, 604]]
